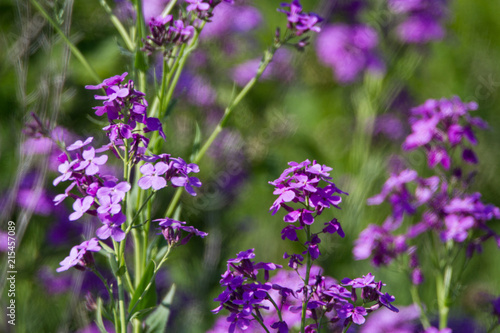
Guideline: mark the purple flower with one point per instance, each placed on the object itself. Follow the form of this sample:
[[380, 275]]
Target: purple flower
[[90, 162], [81, 205], [114, 190], [108, 82], [79, 144], [357, 314], [385, 321], [386, 300], [111, 227], [181, 176], [334, 227], [197, 5], [349, 51], [152, 176], [109, 204], [66, 171], [154, 124], [457, 227], [365, 281], [80, 256]]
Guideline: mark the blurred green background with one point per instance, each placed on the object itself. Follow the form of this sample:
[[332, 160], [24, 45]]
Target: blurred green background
[[308, 116]]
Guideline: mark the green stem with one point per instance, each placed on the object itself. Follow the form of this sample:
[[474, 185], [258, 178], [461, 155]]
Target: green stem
[[443, 289], [260, 322], [122, 325], [169, 7], [347, 328], [157, 268], [268, 56], [306, 282], [71, 46], [119, 26]]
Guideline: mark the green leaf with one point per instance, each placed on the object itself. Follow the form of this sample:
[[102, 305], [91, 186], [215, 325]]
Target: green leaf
[[106, 247], [157, 321], [120, 271], [150, 298], [98, 317]]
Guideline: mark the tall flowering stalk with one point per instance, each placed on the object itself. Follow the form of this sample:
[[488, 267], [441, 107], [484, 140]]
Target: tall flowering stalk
[[123, 204], [311, 301], [449, 216]]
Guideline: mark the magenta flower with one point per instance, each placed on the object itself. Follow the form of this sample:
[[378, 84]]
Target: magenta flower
[[108, 82], [80, 256], [79, 144], [197, 5], [114, 190], [81, 205], [357, 314], [152, 176], [457, 227], [90, 162], [66, 170], [109, 204], [112, 227]]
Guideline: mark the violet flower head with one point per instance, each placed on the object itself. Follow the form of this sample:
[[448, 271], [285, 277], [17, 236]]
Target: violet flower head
[[112, 189], [179, 175], [349, 51], [301, 183], [90, 162], [300, 22], [197, 5], [421, 20], [355, 314], [79, 144], [80, 256], [112, 226], [437, 124], [153, 176], [81, 205]]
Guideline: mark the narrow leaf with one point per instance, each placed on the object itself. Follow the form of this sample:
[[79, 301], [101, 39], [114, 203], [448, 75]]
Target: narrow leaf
[[158, 320]]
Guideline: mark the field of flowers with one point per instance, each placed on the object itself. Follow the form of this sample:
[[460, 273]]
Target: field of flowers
[[250, 166]]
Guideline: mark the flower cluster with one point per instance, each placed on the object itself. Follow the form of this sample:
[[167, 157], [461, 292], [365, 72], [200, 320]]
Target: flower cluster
[[283, 303], [277, 302], [441, 205], [167, 32], [244, 294], [100, 194], [442, 125], [300, 184], [299, 22], [349, 50], [174, 170], [421, 21]]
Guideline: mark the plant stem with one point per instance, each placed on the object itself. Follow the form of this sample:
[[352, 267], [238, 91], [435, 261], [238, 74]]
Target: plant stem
[[71, 46], [260, 322], [416, 299], [118, 25], [122, 325], [306, 282]]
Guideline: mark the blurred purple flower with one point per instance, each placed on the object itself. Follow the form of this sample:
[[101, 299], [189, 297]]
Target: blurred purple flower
[[386, 321], [349, 50]]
